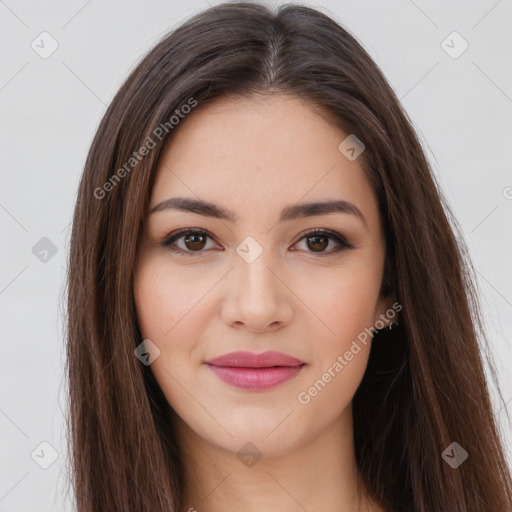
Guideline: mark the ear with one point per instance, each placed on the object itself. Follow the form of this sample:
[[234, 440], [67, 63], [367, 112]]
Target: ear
[[386, 312], [387, 309]]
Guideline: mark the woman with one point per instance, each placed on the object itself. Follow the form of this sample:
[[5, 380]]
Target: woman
[[269, 308]]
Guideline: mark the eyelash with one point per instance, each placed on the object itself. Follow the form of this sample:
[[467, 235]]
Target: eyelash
[[343, 244]]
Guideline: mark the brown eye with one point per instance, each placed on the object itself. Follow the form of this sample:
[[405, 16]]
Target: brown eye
[[192, 241], [318, 243], [195, 242], [188, 241]]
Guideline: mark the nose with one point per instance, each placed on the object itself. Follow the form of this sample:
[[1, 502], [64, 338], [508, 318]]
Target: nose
[[257, 296]]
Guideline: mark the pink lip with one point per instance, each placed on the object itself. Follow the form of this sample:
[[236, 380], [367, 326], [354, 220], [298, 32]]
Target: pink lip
[[256, 372]]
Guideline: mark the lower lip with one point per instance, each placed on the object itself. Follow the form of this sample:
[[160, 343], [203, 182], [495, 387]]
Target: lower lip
[[255, 379]]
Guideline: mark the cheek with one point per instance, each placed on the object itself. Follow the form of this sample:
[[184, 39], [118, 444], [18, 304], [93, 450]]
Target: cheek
[[345, 303], [173, 313], [339, 357], [330, 392], [166, 301]]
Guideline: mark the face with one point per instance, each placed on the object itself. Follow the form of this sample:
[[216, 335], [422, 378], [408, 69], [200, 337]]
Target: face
[[259, 274]]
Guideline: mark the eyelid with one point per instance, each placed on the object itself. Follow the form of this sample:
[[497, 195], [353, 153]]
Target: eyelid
[[342, 242], [176, 235], [338, 238]]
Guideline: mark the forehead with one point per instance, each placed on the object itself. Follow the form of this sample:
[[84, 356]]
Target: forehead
[[254, 153]]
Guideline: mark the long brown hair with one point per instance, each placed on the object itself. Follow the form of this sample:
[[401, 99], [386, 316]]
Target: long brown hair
[[424, 387]]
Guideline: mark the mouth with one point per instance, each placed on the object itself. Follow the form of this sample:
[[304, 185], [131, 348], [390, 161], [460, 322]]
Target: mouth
[[255, 372]]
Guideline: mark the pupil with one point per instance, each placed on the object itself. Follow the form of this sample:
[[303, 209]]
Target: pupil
[[197, 242], [315, 239], [193, 239]]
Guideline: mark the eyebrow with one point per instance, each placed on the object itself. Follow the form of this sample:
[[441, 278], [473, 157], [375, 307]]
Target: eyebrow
[[288, 213]]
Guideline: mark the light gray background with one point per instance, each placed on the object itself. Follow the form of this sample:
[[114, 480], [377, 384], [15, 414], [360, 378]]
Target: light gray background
[[50, 109]]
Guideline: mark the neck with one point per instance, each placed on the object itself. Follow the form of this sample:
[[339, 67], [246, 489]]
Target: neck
[[320, 474]]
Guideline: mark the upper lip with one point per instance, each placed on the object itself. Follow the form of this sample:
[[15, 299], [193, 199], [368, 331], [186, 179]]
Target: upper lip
[[244, 359]]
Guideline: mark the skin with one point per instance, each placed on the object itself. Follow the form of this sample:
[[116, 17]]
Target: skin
[[254, 157]]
